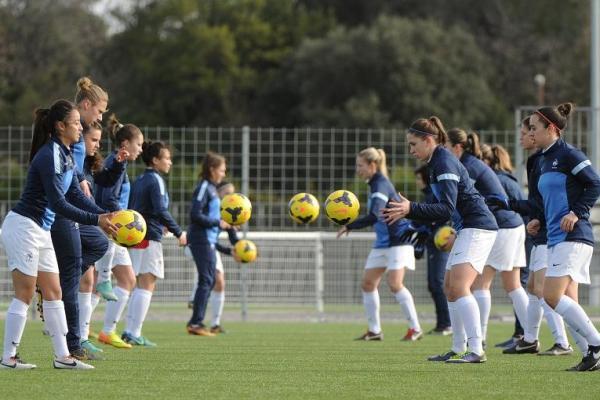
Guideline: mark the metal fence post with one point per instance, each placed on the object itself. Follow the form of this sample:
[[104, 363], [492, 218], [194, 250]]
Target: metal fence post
[[245, 190], [319, 283]]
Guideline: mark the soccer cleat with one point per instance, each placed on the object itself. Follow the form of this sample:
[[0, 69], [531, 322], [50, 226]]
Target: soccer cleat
[[199, 330], [467, 358], [113, 339], [447, 331], [93, 335], [368, 335], [106, 291], [523, 347], [557, 350], [509, 343], [137, 341], [80, 354], [412, 335], [16, 363], [591, 361], [216, 329], [443, 357], [90, 347], [70, 362]]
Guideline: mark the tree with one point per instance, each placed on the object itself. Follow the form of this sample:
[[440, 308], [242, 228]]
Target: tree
[[393, 72], [45, 47]]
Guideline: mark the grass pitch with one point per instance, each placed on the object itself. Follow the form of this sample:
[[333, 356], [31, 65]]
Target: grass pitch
[[294, 361]]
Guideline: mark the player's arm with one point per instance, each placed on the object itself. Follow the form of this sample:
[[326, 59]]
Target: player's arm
[[197, 216], [159, 208]]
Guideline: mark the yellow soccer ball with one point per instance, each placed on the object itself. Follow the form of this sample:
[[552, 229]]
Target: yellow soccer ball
[[131, 227], [236, 209], [245, 250], [342, 207], [304, 208], [444, 238]]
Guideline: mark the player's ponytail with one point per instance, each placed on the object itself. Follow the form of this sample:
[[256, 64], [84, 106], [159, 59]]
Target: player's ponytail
[[431, 126], [119, 132], [473, 144], [44, 123], [376, 156]]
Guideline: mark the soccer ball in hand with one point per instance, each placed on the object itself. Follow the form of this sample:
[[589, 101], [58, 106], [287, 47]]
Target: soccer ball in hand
[[131, 227], [342, 207], [245, 250], [444, 238], [236, 209], [304, 208]]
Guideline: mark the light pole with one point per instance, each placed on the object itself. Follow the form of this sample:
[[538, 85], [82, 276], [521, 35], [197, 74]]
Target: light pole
[[540, 82]]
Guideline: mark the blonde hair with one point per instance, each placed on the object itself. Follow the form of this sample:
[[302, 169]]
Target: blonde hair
[[377, 156], [86, 89]]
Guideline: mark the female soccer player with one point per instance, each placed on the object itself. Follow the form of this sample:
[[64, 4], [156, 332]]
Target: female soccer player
[[499, 160], [217, 295], [392, 250], [94, 172], [508, 253], [436, 264], [476, 227], [51, 187], [150, 198], [116, 259], [203, 234], [569, 186]]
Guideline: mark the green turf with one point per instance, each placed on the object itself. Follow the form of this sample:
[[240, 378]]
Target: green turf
[[294, 361]]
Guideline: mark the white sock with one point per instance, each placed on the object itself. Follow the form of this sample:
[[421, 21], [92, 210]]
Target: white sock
[[56, 324], [484, 301], [534, 319], [138, 309], [575, 316], [94, 301], [580, 341], [16, 317], [469, 312], [556, 325], [459, 337], [371, 303], [217, 300], [85, 314], [405, 299], [520, 302], [114, 309]]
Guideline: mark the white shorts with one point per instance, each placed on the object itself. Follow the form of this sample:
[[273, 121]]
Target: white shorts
[[396, 257], [570, 259], [538, 259], [148, 260], [219, 262], [115, 255], [471, 246], [508, 251], [28, 247]]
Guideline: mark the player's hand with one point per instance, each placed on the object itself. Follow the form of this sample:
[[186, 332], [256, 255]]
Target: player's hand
[[533, 227], [85, 188], [224, 225], [343, 231], [236, 257], [498, 201], [396, 210], [567, 223], [122, 155], [104, 222], [182, 239], [449, 244]]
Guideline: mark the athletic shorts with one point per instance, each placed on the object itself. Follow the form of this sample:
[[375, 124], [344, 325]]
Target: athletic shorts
[[538, 260], [396, 257], [115, 255], [28, 247], [148, 260], [570, 259], [471, 246], [508, 251]]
